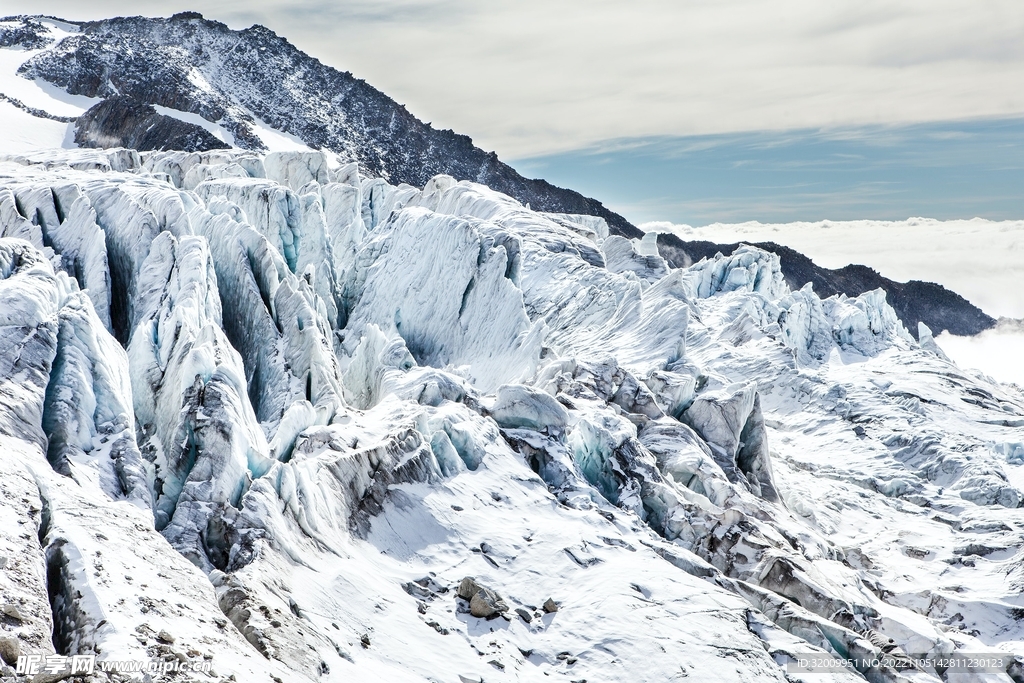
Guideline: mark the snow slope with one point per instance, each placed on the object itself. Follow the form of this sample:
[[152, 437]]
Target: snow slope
[[281, 411], [23, 132]]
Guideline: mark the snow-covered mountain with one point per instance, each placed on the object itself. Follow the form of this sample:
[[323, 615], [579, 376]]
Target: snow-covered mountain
[[249, 89], [187, 83], [268, 413]]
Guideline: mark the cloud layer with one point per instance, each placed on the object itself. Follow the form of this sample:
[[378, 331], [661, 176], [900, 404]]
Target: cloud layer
[[995, 352], [527, 77]]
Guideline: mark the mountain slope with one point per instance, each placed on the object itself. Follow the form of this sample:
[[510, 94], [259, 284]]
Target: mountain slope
[[202, 67]]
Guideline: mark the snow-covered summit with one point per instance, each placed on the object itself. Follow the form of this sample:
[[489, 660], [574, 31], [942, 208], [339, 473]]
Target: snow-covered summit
[[267, 411]]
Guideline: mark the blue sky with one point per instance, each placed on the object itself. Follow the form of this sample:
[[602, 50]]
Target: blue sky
[[939, 170]]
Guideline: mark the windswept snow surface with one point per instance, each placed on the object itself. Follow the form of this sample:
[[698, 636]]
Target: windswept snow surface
[[218, 132], [265, 412], [23, 132]]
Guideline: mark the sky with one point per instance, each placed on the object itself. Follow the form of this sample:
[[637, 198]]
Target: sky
[[746, 109], [946, 170]]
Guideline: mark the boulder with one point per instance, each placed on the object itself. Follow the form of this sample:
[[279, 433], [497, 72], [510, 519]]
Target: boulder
[[484, 603], [10, 649]]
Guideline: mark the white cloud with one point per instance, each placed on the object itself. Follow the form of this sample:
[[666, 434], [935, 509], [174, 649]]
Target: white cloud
[[995, 352], [526, 77]]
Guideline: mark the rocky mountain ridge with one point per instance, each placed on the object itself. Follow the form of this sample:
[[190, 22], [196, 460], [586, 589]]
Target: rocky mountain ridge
[[195, 65]]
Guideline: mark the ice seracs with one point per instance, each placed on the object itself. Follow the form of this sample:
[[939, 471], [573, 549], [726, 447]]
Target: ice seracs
[[320, 401], [731, 423], [457, 308]]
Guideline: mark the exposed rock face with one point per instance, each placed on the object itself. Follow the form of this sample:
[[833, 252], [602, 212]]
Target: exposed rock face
[[125, 122], [28, 34]]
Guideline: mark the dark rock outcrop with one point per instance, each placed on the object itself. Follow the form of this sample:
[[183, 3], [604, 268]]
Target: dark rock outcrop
[[30, 35], [124, 122]]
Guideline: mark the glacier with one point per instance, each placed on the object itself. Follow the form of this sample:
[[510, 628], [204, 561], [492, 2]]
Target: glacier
[[264, 411]]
